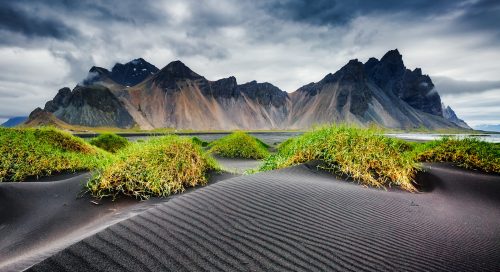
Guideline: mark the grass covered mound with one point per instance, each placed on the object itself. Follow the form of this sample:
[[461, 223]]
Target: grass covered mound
[[470, 153], [239, 145], [109, 142], [362, 154], [158, 167], [41, 152]]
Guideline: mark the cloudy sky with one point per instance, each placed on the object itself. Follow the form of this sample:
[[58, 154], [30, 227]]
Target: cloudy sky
[[46, 45]]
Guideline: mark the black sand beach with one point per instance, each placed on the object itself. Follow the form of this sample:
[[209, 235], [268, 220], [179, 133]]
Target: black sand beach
[[302, 219], [40, 218]]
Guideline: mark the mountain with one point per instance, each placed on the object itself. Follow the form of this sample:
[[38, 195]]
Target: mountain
[[450, 115], [128, 74], [40, 117], [93, 106], [495, 128], [177, 97], [414, 88], [137, 94], [381, 92], [14, 121]]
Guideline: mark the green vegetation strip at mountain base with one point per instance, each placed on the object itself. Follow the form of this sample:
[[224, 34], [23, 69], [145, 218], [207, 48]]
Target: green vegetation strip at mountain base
[[239, 145], [158, 167], [362, 154], [40, 152], [109, 142]]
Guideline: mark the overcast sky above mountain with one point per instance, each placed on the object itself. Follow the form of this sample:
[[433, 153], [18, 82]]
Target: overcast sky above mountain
[[46, 45]]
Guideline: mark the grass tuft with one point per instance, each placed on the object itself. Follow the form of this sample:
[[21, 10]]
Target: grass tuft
[[469, 153], [362, 154], [239, 145], [199, 142], [158, 167], [41, 152], [109, 142]]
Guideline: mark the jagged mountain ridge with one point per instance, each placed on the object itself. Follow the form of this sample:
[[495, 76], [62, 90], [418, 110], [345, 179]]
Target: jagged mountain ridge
[[381, 91], [450, 115]]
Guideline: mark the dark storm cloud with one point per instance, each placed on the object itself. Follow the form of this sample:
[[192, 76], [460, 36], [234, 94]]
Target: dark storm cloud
[[48, 44], [447, 86], [31, 18], [482, 15], [17, 20], [329, 12]]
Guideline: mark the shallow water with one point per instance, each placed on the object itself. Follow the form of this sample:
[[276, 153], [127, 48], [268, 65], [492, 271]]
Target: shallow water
[[270, 138], [274, 138]]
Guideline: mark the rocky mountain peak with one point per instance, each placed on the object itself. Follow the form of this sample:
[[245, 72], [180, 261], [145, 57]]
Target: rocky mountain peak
[[353, 70], [393, 57], [265, 93], [95, 75], [450, 115], [60, 100], [99, 70], [178, 69], [173, 72], [132, 72], [372, 62]]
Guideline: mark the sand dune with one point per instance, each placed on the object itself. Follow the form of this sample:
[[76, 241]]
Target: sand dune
[[38, 219], [302, 219]]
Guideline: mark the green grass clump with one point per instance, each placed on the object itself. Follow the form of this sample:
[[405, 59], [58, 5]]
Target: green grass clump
[[469, 153], [158, 167], [199, 142], [40, 152], [109, 142], [362, 154], [239, 145]]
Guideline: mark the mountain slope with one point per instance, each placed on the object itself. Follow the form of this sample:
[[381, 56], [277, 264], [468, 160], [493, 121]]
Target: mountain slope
[[180, 98], [377, 92], [94, 106], [382, 92]]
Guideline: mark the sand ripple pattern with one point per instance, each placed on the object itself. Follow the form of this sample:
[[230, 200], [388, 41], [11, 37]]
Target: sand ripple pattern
[[301, 219]]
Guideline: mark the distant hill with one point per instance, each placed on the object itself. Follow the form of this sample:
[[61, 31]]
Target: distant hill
[[14, 121], [137, 94], [495, 128]]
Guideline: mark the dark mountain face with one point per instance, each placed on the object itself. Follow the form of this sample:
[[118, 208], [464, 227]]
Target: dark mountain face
[[382, 92], [416, 89], [175, 71], [133, 72], [128, 74], [96, 74], [222, 88], [61, 99], [350, 85], [264, 93], [89, 106]]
